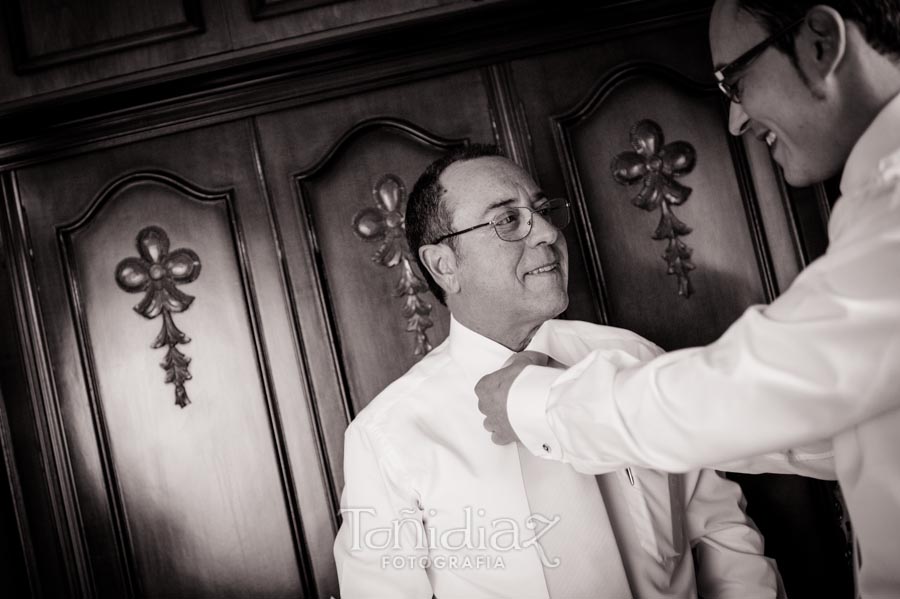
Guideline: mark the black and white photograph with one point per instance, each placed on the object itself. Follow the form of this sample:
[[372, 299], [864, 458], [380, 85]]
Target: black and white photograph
[[450, 299]]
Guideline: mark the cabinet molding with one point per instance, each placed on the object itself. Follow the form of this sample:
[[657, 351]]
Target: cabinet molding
[[185, 19]]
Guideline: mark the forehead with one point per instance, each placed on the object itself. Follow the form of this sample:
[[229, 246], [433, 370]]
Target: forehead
[[732, 32], [473, 185]]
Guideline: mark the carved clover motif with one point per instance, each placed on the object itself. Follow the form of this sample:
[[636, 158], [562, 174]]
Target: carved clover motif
[[385, 223], [656, 165], [155, 273]]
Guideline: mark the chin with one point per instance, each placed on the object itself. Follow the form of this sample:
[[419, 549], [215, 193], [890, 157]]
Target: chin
[[799, 180], [558, 306], [806, 179], [546, 310], [803, 175]]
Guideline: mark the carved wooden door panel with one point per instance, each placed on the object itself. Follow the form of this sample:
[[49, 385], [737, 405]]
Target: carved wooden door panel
[[668, 217], [183, 447], [339, 174], [681, 226]]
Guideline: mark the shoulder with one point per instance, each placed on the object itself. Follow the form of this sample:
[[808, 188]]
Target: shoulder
[[393, 406], [597, 336], [393, 428]]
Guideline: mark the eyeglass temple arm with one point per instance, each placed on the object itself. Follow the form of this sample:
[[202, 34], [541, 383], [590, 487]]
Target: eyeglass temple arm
[[455, 233]]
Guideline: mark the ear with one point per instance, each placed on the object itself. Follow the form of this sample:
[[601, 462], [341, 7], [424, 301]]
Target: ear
[[821, 45], [440, 260]]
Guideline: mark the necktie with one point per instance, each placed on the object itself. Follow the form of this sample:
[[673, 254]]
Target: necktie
[[582, 540]]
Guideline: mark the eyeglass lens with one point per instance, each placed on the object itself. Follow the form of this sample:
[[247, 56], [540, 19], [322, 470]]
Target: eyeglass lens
[[516, 222], [730, 91]]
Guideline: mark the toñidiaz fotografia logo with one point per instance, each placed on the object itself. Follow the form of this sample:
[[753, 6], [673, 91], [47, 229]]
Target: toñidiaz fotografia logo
[[410, 542]]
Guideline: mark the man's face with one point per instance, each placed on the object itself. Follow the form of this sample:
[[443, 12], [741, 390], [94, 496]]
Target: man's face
[[777, 105], [504, 285]]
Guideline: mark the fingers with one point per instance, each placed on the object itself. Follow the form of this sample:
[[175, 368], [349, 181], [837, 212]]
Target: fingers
[[481, 392], [501, 439], [487, 390], [492, 392]]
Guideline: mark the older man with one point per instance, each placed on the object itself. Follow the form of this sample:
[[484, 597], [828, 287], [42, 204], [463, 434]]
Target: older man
[[820, 83], [431, 506]]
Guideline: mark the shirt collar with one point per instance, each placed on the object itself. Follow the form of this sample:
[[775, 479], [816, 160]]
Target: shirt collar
[[475, 353], [478, 355], [873, 149]]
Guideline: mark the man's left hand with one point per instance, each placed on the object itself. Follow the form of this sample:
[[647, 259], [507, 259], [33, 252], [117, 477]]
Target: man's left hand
[[493, 390]]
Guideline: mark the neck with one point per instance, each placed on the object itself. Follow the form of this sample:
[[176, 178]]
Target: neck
[[874, 82], [513, 337]]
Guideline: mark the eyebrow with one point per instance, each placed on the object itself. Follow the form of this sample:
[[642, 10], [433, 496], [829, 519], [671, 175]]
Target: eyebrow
[[536, 196], [498, 204]]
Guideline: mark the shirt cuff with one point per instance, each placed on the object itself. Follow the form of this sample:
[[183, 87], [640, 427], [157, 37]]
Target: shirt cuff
[[526, 409]]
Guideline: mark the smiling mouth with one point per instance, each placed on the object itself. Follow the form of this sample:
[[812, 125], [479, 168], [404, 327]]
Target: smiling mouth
[[544, 269]]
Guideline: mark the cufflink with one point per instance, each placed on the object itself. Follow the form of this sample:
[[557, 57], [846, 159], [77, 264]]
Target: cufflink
[[546, 447]]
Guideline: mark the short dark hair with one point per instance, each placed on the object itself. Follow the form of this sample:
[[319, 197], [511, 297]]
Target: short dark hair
[[427, 219], [879, 20]]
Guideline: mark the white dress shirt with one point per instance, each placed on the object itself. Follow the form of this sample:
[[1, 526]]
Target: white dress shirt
[[822, 361], [419, 455]]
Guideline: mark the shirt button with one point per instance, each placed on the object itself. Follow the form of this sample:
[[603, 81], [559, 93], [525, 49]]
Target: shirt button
[[546, 447]]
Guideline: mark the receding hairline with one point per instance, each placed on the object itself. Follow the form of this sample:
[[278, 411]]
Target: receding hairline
[[460, 163]]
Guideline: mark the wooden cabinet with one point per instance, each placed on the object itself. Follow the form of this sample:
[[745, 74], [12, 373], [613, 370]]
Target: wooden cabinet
[[205, 279], [262, 22], [183, 445], [228, 269], [51, 47]]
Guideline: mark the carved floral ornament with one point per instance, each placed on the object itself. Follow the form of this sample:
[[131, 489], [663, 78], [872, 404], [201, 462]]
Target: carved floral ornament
[[385, 223], [155, 273], [656, 165]]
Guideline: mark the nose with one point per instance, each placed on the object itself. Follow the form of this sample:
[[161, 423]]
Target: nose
[[542, 230], [738, 121]]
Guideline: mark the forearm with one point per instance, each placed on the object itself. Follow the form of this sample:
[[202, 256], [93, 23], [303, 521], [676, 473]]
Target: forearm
[[820, 359], [815, 461], [727, 546], [757, 390]]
